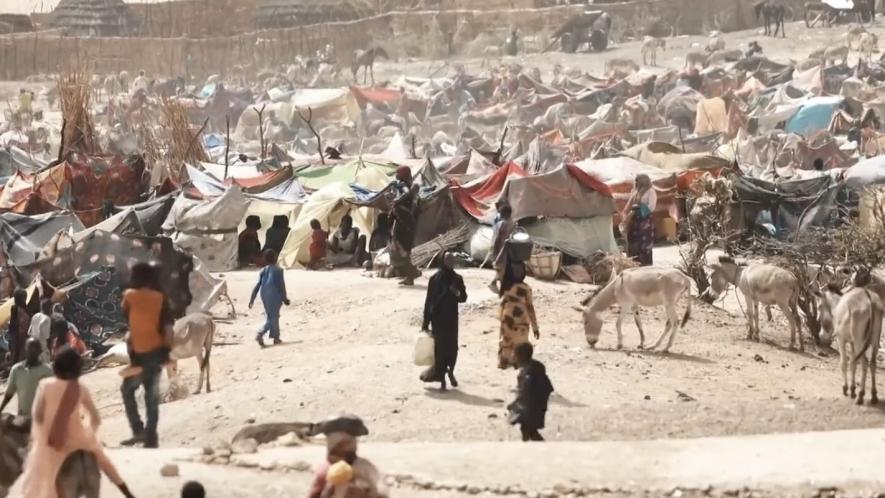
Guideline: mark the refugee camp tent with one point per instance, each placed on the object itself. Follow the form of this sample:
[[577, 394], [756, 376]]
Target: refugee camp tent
[[330, 203], [93, 18], [24, 237], [13, 159], [208, 229], [792, 206], [619, 174], [670, 158], [479, 196]]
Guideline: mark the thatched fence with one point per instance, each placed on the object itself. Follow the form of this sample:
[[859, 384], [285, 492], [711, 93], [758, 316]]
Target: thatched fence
[[49, 52]]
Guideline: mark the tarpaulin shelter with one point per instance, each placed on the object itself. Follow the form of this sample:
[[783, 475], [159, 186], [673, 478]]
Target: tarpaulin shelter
[[814, 116], [48, 190], [478, 197], [668, 157], [794, 205], [619, 174], [330, 203], [566, 192], [353, 171], [96, 180], [24, 237], [13, 159], [208, 229], [101, 249]]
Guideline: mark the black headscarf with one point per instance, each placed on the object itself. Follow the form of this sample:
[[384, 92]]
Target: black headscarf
[[510, 278]]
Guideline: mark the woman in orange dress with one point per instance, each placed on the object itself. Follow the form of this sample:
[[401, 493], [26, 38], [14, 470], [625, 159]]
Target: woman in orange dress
[[516, 312]]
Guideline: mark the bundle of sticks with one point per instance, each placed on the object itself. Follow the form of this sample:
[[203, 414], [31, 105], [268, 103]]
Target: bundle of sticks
[[184, 143], [78, 133], [424, 254]]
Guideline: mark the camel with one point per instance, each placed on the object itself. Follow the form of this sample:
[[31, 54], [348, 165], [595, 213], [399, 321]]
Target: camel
[[773, 13], [634, 287], [855, 320], [365, 59], [650, 46], [193, 335], [760, 283]]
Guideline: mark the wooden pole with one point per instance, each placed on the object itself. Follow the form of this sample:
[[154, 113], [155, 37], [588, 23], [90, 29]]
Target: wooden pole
[[227, 147]]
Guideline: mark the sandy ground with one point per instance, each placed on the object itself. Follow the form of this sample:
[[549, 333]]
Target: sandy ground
[[348, 343]]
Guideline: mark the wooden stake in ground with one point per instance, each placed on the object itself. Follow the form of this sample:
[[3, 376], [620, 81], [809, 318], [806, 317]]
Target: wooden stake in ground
[[260, 113], [308, 120]]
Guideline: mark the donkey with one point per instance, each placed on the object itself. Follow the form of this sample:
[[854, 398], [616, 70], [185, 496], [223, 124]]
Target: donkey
[[365, 59], [773, 13], [645, 286], [193, 336], [760, 283], [855, 320]]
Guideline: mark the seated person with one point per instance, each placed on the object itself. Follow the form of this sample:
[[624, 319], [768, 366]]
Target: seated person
[[318, 246], [346, 246], [249, 245], [276, 235]]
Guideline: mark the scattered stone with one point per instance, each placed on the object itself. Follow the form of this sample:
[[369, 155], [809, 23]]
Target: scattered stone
[[684, 397], [290, 439], [224, 452], [246, 446], [473, 490], [207, 450], [169, 470], [251, 419], [246, 464], [647, 397], [286, 381], [268, 466], [758, 357], [493, 415]]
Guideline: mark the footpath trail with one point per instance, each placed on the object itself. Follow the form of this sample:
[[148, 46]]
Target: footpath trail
[[800, 464]]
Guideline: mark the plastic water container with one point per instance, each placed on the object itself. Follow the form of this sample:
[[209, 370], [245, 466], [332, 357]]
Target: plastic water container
[[520, 246]]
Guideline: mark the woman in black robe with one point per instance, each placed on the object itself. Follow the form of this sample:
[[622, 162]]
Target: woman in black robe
[[445, 291]]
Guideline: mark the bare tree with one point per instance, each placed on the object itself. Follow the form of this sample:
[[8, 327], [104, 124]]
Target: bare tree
[[260, 113], [308, 120]]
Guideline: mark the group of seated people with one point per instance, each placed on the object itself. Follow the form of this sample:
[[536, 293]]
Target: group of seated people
[[345, 247]]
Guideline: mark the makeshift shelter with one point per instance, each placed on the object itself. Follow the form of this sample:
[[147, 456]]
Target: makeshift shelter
[[24, 237], [208, 229], [791, 206], [619, 174], [93, 18], [330, 203], [670, 158], [478, 197]]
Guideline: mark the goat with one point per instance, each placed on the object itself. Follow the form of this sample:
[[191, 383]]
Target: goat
[[836, 53], [760, 283], [855, 320], [695, 58], [650, 46], [634, 287]]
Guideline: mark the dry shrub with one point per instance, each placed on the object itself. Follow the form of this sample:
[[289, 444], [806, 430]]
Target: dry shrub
[[183, 141], [75, 92]]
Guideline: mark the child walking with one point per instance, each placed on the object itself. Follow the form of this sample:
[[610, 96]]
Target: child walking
[[272, 284], [534, 388]]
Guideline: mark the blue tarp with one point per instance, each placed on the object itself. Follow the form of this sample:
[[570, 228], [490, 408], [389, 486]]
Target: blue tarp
[[814, 116]]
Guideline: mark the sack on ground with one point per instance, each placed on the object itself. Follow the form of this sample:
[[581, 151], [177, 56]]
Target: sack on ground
[[423, 356]]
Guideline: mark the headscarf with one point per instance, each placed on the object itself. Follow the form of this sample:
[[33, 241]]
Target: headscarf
[[336, 439], [404, 174], [510, 278], [641, 186]]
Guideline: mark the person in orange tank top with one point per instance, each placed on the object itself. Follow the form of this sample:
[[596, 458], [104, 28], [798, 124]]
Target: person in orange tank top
[[149, 319]]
